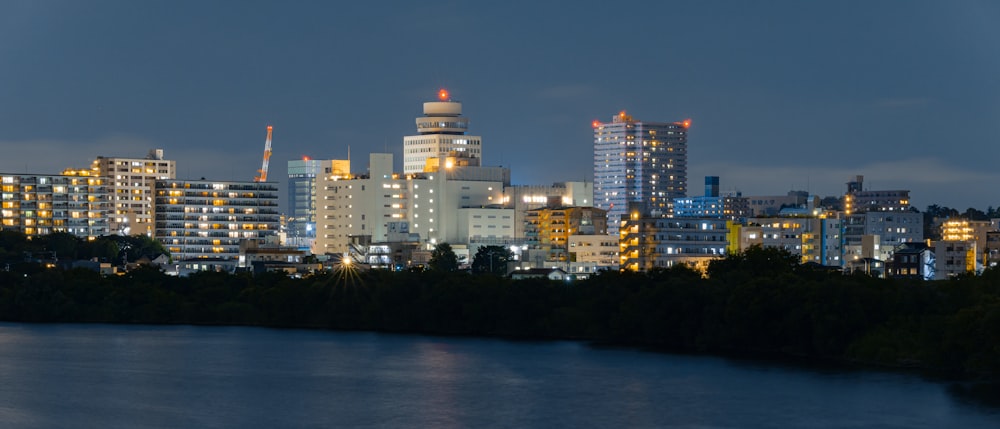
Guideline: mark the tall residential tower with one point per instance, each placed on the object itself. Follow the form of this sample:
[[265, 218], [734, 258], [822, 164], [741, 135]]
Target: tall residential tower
[[641, 162]]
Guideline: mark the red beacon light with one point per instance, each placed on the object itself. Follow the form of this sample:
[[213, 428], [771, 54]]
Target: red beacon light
[[596, 123], [686, 123], [443, 94]]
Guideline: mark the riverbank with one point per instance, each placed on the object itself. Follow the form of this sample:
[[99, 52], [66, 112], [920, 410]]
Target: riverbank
[[761, 304]]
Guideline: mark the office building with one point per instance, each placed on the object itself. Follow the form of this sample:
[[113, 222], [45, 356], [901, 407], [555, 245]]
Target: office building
[[638, 162], [302, 184], [454, 202], [441, 133]]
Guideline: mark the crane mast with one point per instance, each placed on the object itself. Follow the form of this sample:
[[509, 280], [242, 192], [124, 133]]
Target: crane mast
[[262, 173]]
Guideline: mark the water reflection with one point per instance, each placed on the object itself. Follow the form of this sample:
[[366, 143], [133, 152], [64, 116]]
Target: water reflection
[[95, 376]]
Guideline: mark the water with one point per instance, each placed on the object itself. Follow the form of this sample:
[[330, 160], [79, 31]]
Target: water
[[105, 376]]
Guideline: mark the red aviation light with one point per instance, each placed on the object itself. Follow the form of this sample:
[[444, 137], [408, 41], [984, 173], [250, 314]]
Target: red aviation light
[[305, 158], [595, 124], [443, 94], [686, 123]]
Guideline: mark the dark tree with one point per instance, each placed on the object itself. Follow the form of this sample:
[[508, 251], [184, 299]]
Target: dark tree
[[443, 258], [492, 259]]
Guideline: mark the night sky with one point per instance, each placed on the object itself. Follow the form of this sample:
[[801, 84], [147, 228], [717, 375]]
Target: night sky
[[782, 94]]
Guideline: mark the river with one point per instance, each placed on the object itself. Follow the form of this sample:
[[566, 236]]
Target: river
[[118, 376]]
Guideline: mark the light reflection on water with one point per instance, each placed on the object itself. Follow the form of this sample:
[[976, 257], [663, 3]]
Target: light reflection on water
[[101, 376]]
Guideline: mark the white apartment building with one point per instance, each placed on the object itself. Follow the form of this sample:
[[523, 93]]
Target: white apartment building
[[589, 254], [131, 182], [201, 219], [37, 205]]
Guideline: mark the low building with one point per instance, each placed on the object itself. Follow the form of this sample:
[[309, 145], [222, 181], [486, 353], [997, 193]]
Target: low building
[[647, 242], [954, 258], [912, 260], [538, 273]]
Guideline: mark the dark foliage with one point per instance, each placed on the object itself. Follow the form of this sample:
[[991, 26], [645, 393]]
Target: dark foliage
[[492, 260], [443, 258], [758, 302]]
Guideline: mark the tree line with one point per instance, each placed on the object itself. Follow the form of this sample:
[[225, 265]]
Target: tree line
[[760, 302]]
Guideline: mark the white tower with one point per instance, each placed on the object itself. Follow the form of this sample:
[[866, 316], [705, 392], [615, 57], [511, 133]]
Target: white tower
[[441, 133]]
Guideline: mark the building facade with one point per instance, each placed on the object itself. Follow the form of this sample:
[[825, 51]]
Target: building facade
[[647, 242], [529, 197], [302, 185], [437, 206], [732, 207], [550, 228], [201, 219], [441, 132], [37, 205], [638, 162], [131, 183]]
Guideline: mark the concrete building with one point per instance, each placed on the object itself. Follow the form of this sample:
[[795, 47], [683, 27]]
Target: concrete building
[[955, 258], [991, 252], [550, 228], [772, 205], [711, 204], [880, 215], [589, 254], [859, 200], [438, 206], [891, 228], [36, 205], [822, 241], [131, 183], [302, 184], [638, 162], [970, 230], [529, 197], [208, 220], [441, 132], [655, 242], [816, 239], [359, 205]]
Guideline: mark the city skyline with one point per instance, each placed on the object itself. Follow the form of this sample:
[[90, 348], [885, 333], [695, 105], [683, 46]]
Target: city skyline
[[782, 96]]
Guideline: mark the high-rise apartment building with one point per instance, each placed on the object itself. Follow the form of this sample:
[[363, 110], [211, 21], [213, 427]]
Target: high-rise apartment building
[[441, 133], [37, 205], [209, 220], [638, 162], [131, 182]]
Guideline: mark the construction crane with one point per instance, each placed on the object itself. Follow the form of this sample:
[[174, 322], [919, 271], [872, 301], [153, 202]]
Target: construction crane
[[262, 173]]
